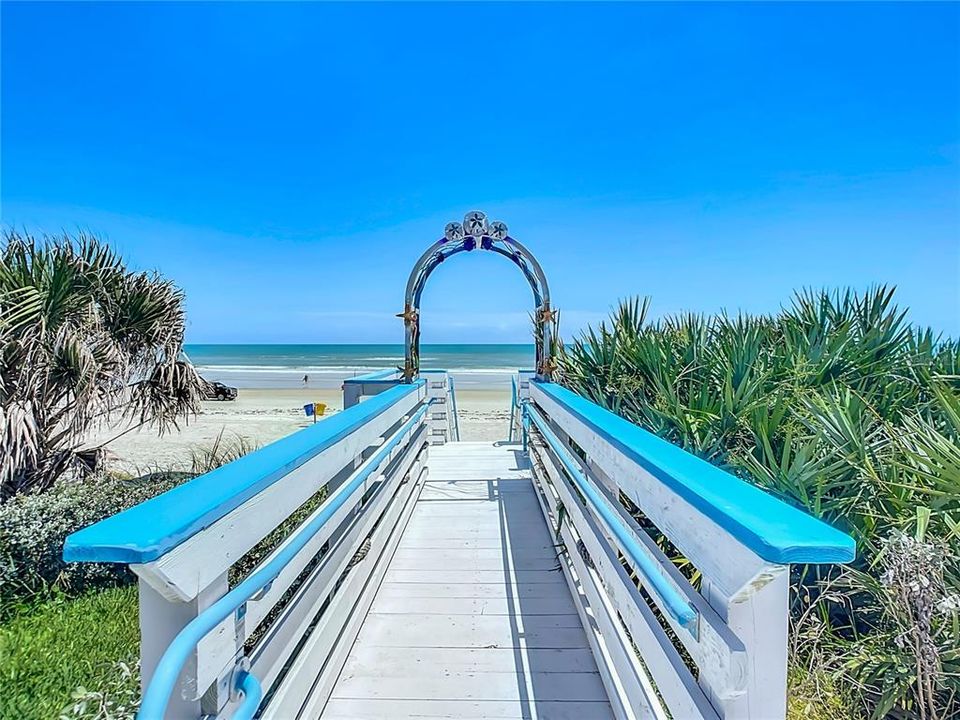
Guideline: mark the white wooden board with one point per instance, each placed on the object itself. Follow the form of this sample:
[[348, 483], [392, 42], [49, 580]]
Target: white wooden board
[[387, 661], [474, 618], [372, 709]]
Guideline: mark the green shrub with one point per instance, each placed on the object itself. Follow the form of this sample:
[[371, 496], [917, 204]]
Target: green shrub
[[812, 694], [34, 526], [838, 406], [118, 698]]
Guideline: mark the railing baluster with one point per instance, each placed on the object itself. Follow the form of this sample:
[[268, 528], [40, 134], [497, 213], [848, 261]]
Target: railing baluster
[[759, 614], [514, 405], [162, 619], [453, 403]]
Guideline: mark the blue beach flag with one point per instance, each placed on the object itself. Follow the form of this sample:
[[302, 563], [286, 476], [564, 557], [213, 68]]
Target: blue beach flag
[[314, 409]]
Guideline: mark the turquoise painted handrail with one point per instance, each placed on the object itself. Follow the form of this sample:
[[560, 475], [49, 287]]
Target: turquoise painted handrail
[[513, 406], [456, 417], [252, 696], [164, 680], [524, 429], [674, 603], [149, 530], [777, 532]]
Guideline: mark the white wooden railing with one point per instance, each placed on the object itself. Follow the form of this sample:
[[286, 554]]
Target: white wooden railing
[[664, 648], [214, 648], [442, 419]]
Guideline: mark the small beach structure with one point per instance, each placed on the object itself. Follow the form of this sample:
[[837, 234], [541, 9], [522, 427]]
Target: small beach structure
[[426, 577]]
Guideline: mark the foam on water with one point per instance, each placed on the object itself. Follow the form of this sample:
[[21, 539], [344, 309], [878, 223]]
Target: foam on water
[[278, 366]]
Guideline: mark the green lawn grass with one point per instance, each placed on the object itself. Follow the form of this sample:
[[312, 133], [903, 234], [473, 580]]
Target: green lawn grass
[[49, 649], [816, 696]]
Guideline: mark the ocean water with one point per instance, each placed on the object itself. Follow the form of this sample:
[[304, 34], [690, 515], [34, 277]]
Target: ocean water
[[269, 366]]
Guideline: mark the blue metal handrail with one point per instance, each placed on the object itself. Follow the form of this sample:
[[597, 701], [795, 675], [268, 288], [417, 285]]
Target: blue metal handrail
[[673, 601], [453, 403], [249, 687], [164, 680], [514, 405]]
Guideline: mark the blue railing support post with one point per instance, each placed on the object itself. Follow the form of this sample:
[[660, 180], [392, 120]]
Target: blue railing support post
[[453, 405], [249, 687], [513, 408], [525, 426]]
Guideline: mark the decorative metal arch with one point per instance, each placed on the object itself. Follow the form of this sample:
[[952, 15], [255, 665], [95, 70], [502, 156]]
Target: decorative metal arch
[[476, 233]]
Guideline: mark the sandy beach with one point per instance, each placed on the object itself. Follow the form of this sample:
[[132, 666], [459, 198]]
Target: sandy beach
[[262, 415]]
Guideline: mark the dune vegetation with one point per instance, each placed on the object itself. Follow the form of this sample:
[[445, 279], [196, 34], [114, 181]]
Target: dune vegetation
[[839, 406], [69, 633], [83, 339]]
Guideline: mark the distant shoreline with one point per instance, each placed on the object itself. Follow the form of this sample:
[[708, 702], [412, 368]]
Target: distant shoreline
[[326, 366], [332, 379]]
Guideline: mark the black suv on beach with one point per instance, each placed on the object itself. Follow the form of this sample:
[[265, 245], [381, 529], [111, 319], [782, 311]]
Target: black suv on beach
[[219, 391]]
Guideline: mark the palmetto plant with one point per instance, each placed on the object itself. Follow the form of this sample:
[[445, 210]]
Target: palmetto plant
[[839, 406], [82, 341]]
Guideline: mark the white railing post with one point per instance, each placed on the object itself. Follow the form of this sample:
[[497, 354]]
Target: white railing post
[[523, 384], [439, 417], [162, 617], [352, 392], [758, 613], [372, 383]]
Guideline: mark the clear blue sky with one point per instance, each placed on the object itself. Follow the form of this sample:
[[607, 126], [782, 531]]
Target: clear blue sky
[[286, 164]]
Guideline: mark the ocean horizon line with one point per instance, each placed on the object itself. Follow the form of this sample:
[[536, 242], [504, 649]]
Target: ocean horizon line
[[347, 344], [340, 369], [329, 364]]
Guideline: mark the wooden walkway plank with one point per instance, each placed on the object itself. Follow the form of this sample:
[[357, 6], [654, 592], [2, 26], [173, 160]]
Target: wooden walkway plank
[[440, 683], [474, 618], [430, 605], [467, 590], [387, 661], [373, 709]]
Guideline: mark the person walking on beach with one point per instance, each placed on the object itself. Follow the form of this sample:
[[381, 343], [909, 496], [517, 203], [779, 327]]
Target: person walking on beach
[[306, 380]]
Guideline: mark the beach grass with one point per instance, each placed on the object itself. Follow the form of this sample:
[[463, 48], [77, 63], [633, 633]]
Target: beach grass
[[52, 648]]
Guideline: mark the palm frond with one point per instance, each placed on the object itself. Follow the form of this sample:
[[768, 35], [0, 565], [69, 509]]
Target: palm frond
[[81, 339]]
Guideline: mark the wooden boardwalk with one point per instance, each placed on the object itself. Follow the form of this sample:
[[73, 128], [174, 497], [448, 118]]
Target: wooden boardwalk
[[474, 618], [441, 594]]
